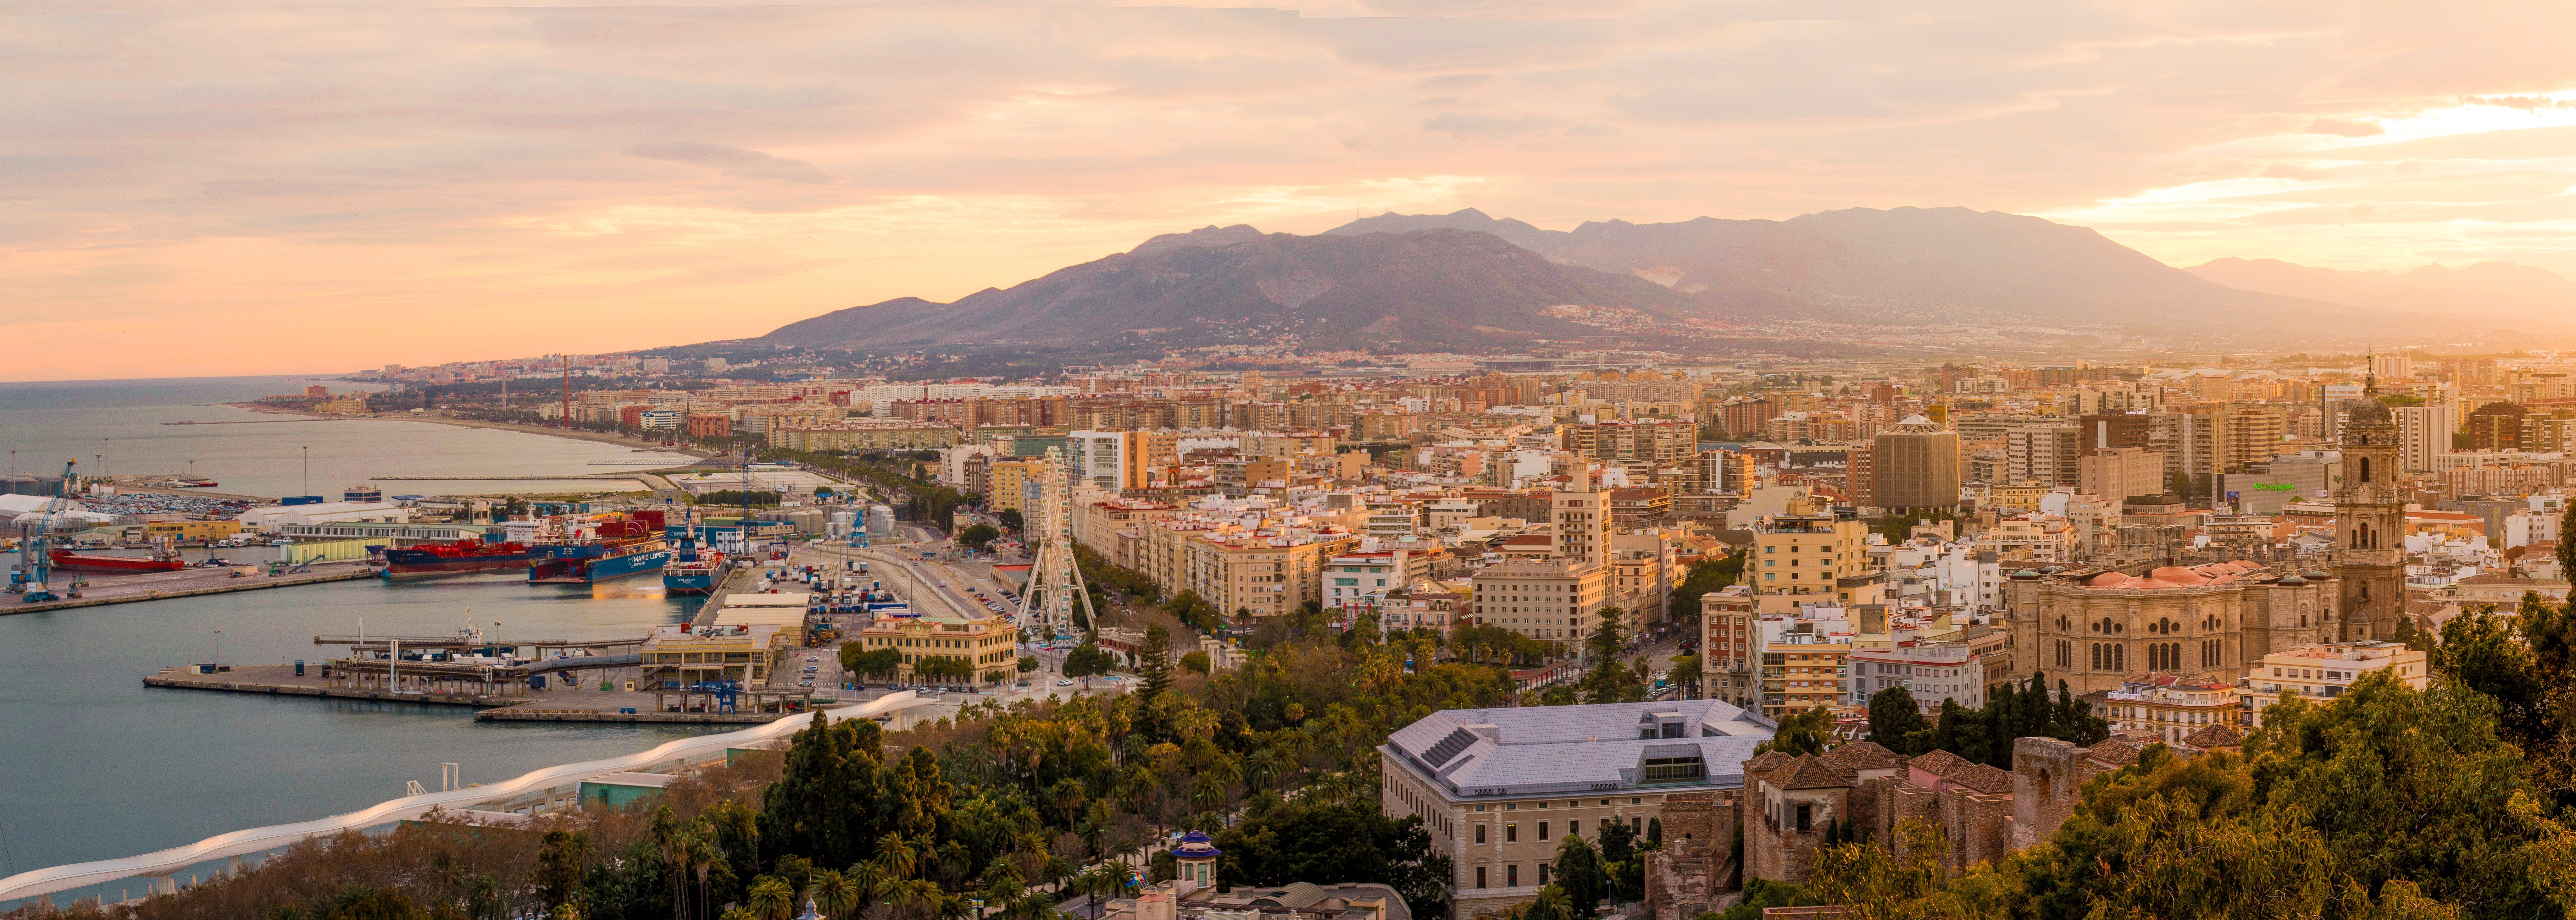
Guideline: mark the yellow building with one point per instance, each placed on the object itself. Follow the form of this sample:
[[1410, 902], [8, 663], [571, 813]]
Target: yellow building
[[2323, 672], [1008, 478], [1808, 555], [675, 658], [191, 530], [1803, 670], [991, 644]]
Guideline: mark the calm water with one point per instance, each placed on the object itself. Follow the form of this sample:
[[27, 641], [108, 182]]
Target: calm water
[[97, 766], [117, 427]]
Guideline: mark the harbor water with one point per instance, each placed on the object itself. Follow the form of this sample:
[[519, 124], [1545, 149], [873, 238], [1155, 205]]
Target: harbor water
[[97, 766]]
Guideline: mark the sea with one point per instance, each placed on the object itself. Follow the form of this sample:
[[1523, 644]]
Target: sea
[[96, 766]]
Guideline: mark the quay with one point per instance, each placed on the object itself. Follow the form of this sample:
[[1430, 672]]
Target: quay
[[193, 582], [504, 694]]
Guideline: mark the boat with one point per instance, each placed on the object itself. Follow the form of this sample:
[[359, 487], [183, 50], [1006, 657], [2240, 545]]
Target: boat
[[610, 547], [159, 561], [457, 556], [695, 571], [198, 483]]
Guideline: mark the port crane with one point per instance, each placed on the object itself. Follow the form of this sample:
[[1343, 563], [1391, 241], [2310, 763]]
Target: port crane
[[32, 581]]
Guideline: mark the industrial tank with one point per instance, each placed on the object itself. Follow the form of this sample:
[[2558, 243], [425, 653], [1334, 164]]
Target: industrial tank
[[842, 522], [880, 521]]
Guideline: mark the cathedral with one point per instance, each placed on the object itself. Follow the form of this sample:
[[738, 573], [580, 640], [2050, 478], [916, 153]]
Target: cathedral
[[2095, 627]]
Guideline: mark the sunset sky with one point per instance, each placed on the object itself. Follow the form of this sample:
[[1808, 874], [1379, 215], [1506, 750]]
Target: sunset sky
[[206, 187]]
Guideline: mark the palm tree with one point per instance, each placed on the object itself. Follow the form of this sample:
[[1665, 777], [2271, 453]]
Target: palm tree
[[1551, 904], [895, 855], [835, 895], [771, 899]]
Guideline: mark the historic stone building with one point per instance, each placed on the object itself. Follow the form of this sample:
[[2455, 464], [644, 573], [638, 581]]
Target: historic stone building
[[2093, 627], [2370, 524]]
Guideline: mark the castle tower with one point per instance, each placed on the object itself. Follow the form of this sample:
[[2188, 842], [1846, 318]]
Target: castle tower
[[2370, 523]]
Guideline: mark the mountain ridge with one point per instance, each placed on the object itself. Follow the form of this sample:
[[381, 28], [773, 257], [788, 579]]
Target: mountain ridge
[[1470, 280]]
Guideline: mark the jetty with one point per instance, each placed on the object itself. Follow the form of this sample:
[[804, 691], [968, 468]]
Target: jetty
[[189, 582]]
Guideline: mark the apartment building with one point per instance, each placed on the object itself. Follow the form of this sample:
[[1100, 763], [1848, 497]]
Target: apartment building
[[2322, 672], [1805, 661], [1499, 789], [1930, 671], [1808, 555], [1351, 578], [1554, 599], [1729, 644], [2171, 705]]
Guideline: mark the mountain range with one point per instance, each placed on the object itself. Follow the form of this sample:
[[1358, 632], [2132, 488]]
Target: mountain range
[[1469, 280]]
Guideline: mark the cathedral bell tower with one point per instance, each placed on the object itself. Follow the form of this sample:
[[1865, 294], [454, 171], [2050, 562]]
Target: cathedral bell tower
[[2370, 523]]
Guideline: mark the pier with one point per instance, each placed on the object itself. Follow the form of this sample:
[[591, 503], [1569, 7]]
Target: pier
[[192, 582], [501, 699]]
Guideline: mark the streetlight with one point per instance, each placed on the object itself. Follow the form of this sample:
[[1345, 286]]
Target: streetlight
[[308, 469]]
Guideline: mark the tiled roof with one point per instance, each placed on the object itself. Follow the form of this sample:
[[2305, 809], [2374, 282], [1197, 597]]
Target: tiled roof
[[1813, 773], [1983, 778], [2211, 737], [2116, 752], [1767, 761], [1938, 763], [1863, 755]]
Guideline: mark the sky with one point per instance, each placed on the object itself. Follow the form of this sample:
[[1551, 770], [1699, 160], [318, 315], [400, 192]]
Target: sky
[[212, 187]]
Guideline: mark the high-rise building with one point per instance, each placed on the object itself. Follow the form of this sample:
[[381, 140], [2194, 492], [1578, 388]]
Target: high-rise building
[[2043, 454], [2104, 432], [2496, 426], [2424, 434], [2120, 473], [2394, 370], [1860, 476], [1916, 465], [1581, 514]]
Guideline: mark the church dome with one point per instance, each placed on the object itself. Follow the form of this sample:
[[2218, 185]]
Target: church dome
[[2370, 411]]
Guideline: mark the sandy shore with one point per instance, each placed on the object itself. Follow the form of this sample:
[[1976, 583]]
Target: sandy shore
[[552, 432]]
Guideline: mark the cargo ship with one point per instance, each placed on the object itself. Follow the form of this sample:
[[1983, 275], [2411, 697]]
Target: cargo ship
[[696, 570], [610, 547], [159, 561], [459, 556]]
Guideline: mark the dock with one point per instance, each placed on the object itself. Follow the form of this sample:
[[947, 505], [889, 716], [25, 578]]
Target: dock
[[195, 582], [280, 680], [512, 702]]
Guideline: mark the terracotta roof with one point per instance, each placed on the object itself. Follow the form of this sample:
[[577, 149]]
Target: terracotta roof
[[1983, 778], [1766, 762], [2115, 752], [1813, 773], [1863, 755], [1938, 763], [2211, 737]]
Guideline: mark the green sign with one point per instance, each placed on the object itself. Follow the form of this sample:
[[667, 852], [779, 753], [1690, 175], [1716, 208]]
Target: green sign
[[2275, 487]]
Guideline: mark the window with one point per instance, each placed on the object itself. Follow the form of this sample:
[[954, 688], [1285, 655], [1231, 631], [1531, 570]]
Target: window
[[1480, 873], [1542, 835], [1805, 815], [1480, 838], [1574, 828], [1542, 873], [1512, 875], [1512, 833]]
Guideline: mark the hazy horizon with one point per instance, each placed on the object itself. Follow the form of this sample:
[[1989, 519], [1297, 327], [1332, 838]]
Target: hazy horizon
[[236, 189]]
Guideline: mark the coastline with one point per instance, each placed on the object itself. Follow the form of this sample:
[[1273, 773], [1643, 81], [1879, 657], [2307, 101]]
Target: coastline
[[594, 437]]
